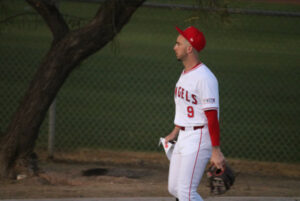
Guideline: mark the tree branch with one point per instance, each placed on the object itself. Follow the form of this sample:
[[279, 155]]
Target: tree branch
[[6, 20], [53, 18], [116, 12], [109, 20]]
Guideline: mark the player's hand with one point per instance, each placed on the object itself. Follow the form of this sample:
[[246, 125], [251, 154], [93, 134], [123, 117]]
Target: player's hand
[[171, 136], [217, 158]]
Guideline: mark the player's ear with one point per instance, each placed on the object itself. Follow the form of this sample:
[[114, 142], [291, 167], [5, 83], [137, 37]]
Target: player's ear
[[189, 49]]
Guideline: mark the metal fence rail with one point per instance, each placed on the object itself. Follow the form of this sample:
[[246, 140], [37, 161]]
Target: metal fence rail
[[122, 97]]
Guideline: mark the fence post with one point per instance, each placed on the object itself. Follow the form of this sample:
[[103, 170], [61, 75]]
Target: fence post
[[51, 135]]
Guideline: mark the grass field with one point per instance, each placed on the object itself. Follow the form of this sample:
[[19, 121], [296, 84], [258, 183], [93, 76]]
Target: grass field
[[122, 97]]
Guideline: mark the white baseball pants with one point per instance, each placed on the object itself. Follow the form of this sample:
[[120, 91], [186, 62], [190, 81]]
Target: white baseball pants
[[188, 162]]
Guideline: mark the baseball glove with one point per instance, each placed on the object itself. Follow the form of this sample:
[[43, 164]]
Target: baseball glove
[[220, 181]]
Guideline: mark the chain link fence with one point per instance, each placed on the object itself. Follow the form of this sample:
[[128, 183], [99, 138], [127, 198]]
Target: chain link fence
[[122, 97]]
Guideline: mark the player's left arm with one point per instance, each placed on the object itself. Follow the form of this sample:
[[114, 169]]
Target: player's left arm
[[217, 157]]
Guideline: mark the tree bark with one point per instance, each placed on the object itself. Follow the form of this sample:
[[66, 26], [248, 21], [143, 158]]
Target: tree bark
[[68, 49]]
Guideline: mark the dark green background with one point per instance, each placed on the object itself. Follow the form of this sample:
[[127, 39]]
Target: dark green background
[[122, 97]]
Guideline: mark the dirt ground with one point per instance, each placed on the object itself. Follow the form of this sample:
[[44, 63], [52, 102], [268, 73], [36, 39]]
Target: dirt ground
[[131, 174]]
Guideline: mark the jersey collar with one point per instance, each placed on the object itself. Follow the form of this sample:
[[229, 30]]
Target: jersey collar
[[195, 67]]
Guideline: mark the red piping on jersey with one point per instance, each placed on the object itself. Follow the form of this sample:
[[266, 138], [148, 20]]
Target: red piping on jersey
[[195, 166], [194, 67]]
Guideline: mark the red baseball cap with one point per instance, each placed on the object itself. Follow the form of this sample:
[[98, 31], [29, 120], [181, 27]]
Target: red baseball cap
[[194, 36]]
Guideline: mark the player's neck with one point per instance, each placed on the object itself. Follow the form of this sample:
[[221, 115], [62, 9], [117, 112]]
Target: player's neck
[[188, 65]]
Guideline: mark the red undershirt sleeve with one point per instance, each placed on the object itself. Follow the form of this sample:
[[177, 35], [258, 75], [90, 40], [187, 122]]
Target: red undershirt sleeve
[[213, 126]]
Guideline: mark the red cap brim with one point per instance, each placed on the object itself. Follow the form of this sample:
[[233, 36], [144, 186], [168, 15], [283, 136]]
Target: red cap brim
[[182, 33]]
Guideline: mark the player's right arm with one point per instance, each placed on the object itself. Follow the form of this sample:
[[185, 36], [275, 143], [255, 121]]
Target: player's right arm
[[172, 135]]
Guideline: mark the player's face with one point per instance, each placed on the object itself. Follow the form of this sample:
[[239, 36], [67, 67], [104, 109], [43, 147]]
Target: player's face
[[180, 48]]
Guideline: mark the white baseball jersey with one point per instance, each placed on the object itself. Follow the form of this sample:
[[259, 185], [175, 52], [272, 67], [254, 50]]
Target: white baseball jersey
[[195, 92]]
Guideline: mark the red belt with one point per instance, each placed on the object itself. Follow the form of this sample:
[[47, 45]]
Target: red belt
[[194, 128]]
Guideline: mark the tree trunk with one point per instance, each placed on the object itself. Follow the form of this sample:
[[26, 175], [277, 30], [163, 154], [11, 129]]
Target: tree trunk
[[67, 51]]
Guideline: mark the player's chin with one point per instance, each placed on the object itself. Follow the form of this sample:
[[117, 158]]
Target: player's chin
[[178, 58]]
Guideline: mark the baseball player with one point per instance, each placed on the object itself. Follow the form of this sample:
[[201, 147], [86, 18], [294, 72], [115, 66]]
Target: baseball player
[[196, 119]]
